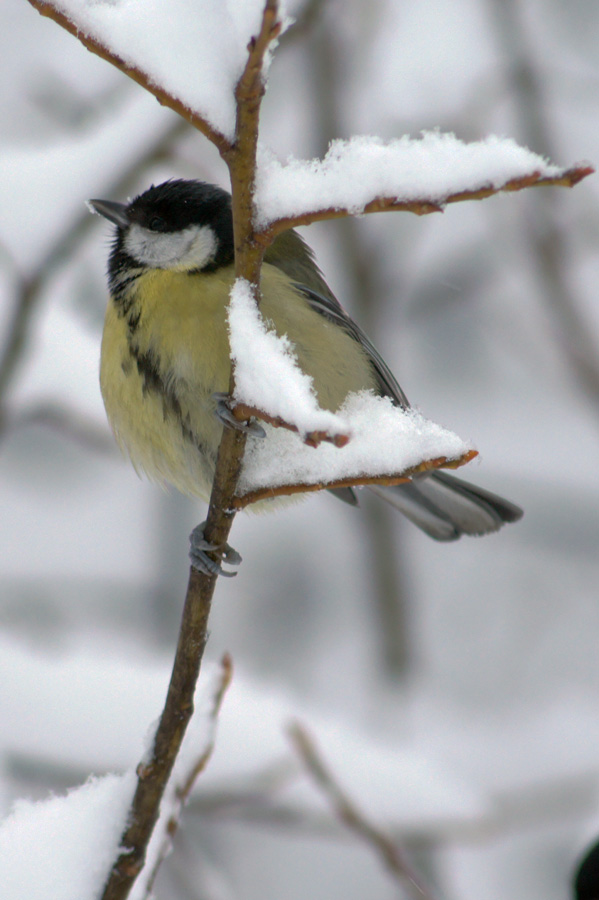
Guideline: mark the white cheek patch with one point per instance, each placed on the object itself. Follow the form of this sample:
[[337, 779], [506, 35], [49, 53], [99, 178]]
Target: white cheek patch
[[192, 248]]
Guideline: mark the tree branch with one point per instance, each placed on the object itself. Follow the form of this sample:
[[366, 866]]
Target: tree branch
[[243, 411], [425, 205], [153, 776], [354, 818], [284, 490]]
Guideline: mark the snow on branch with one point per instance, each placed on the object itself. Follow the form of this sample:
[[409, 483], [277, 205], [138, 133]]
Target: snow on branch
[[387, 445], [358, 176], [190, 55], [268, 381], [374, 440], [62, 848], [422, 175], [361, 175]]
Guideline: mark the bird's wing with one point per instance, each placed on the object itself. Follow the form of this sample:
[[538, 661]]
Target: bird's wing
[[331, 309], [442, 505]]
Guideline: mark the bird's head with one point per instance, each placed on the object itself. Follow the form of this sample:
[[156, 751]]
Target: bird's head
[[180, 225]]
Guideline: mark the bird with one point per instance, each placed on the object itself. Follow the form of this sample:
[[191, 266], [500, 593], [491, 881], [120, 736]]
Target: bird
[[165, 365]]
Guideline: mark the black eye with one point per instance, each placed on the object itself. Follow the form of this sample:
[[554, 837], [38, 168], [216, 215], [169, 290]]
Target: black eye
[[157, 224]]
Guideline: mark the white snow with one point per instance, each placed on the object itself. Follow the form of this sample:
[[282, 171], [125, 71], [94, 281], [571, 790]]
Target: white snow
[[385, 440], [196, 50], [363, 168], [200, 64], [62, 848], [267, 375], [399, 783], [123, 697]]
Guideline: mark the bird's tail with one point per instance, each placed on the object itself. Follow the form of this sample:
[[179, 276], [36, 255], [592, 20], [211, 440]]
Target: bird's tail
[[445, 507]]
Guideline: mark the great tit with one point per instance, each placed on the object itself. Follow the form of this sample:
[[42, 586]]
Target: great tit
[[165, 355]]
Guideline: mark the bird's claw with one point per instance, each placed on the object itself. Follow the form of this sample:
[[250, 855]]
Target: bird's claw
[[225, 416], [199, 548]]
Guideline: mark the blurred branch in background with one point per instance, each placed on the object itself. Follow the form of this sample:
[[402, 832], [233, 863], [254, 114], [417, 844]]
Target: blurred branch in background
[[72, 424], [360, 260], [545, 228], [266, 798], [543, 803], [346, 810]]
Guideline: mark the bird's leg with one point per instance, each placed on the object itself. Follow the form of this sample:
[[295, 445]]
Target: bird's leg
[[199, 548], [225, 416]]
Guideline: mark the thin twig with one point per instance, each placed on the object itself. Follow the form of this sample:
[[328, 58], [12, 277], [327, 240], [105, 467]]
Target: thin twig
[[240, 501], [243, 411], [226, 676], [241, 160], [423, 206], [354, 818], [183, 792], [153, 776]]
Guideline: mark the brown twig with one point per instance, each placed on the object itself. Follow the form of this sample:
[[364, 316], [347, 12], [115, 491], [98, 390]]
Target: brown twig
[[241, 160], [242, 412], [358, 480], [183, 792], [153, 776], [355, 819], [425, 205]]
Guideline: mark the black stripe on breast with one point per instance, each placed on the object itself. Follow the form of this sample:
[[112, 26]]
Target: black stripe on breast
[[148, 367]]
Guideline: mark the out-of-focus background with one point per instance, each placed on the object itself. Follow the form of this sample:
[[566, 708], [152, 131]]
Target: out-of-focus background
[[478, 659]]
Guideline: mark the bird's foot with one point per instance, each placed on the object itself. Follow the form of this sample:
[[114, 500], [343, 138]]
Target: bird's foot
[[199, 548], [225, 416]]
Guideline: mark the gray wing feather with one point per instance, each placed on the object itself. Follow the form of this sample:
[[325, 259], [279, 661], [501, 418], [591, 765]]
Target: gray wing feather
[[443, 506], [332, 310]]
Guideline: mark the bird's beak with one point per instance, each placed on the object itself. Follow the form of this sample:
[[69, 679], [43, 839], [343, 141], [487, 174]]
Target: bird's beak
[[114, 212]]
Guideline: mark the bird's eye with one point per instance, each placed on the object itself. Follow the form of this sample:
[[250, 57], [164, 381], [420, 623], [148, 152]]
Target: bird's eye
[[157, 224]]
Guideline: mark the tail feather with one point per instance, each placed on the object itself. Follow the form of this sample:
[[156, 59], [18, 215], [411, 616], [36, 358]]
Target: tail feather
[[445, 507]]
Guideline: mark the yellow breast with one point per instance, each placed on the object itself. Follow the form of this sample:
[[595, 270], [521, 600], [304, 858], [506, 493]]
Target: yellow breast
[[159, 373]]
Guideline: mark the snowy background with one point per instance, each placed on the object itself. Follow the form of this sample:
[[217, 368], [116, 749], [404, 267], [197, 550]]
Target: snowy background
[[454, 688]]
